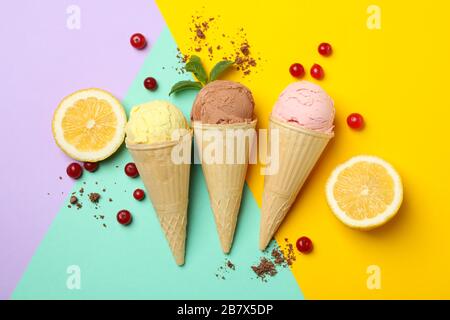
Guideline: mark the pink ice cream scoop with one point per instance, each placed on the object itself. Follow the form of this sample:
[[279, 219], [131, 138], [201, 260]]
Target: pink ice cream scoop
[[307, 105]]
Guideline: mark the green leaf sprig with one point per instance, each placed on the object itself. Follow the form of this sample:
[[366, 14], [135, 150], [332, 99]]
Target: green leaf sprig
[[195, 66]]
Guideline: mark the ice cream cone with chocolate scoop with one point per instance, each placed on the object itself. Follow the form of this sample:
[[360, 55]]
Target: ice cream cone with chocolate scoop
[[223, 122], [157, 153], [303, 117]]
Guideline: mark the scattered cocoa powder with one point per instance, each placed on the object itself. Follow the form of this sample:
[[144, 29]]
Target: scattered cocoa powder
[[264, 269], [236, 47], [278, 257], [289, 252], [225, 269]]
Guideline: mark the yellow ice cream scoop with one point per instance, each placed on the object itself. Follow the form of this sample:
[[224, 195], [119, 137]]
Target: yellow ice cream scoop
[[154, 122]]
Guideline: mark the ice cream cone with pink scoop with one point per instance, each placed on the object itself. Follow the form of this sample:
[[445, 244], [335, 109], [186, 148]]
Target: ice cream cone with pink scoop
[[303, 117]]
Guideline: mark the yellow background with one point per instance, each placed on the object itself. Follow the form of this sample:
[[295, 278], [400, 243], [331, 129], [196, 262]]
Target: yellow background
[[397, 78]]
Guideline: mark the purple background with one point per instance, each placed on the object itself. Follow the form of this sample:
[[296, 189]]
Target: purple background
[[41, 61]]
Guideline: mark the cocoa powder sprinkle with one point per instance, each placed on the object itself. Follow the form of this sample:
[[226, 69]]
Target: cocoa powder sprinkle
[[264, 268], [94, 197]]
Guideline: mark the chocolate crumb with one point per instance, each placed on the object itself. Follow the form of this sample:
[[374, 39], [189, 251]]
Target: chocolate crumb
[[94, 197], [289, 253], [264, 268], [103, 190], [278, 258], [231, 265], [81, 190], [110, 200], [104, 225], [60, 178], [200, 33], [245, 49], [73, 200]]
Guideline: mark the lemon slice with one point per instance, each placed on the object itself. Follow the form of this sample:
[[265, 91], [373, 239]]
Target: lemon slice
[[89, 125], [364, 192]]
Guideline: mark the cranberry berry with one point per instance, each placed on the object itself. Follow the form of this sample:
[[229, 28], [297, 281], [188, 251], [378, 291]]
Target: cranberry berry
[[304, 245], [74, 170], [325, 49], [297, 70], [355, 121], [317, 72], [139, 194], [138, 41], [150, 83], [90, 166], [124, 217], [131, 170]]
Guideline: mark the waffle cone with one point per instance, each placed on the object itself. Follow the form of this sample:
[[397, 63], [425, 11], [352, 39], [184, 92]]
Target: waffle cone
[[167, 184], [225, 181], [299, 150]]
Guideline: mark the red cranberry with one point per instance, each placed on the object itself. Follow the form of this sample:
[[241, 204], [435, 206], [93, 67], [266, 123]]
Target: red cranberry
[[139, 194], [304, 245], [297, 70], [90, 166], [355, 121], [124, 217], [150, 83], [131, 170], [138, 41], [317, 72], [74, 170], [325, 49]]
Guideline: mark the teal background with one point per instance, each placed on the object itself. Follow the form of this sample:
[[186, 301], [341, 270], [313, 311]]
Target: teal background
[[135, 262]]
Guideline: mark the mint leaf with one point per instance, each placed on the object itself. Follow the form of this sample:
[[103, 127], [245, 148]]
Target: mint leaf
[[185, 85], [219, 68], [195, 66]]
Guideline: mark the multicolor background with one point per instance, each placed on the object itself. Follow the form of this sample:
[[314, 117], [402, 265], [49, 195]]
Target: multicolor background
[[395, 76]]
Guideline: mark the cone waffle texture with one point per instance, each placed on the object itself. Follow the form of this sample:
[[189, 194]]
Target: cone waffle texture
[[167, 184], [299, 150], [225, 181]]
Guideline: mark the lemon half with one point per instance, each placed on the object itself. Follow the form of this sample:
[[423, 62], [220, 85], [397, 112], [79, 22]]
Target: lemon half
[[365, 192], [89, 125]]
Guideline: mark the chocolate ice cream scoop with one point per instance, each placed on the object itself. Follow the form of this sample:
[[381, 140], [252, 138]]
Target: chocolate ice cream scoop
[[222, 102]]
